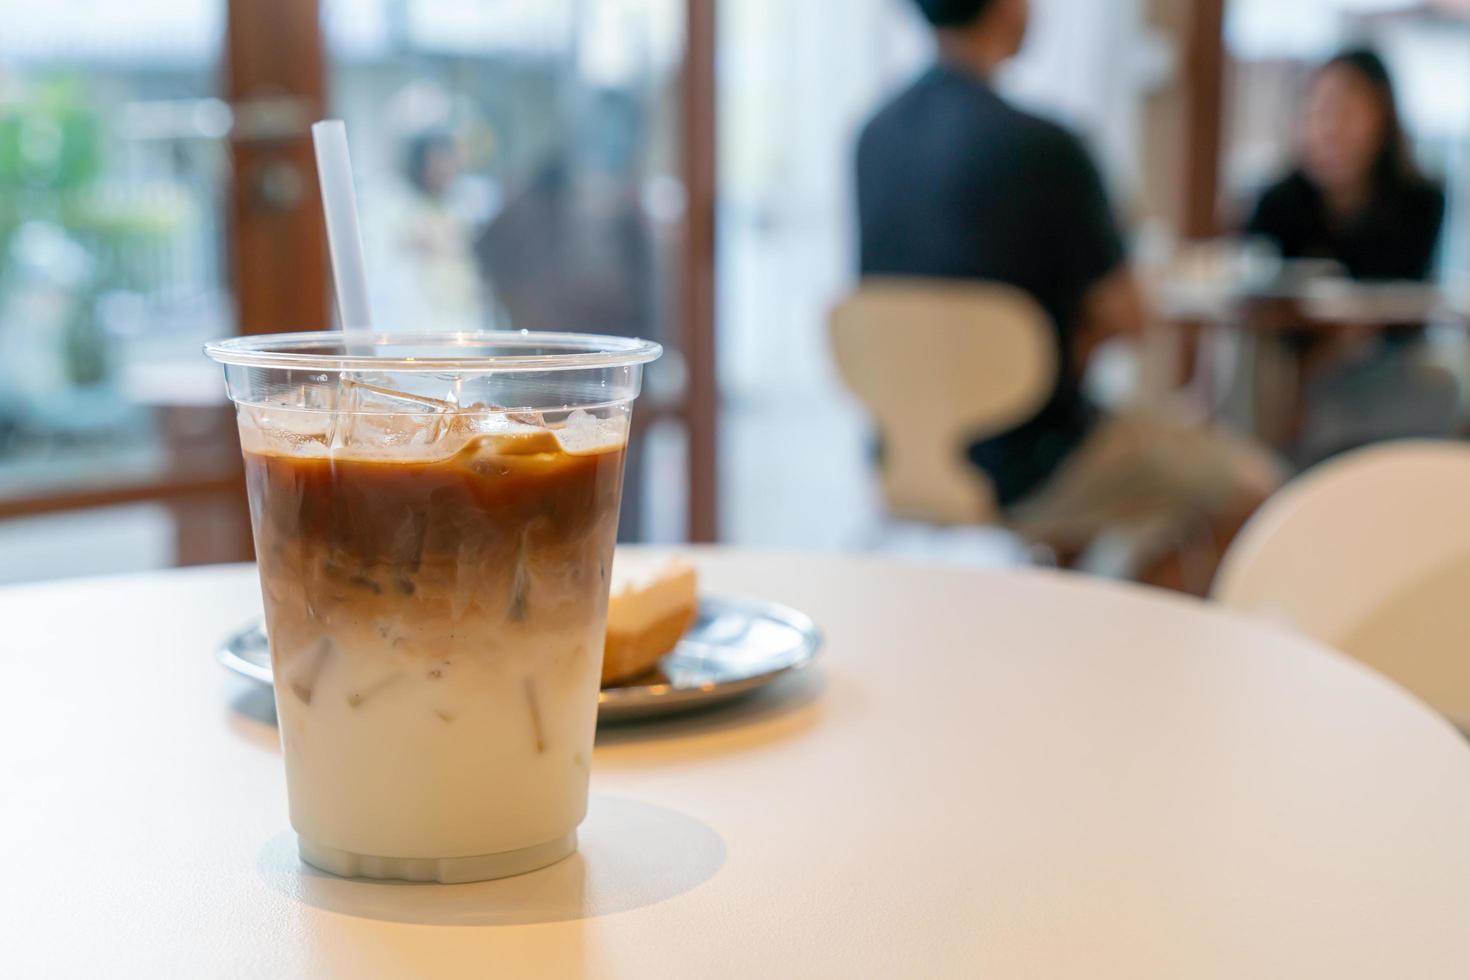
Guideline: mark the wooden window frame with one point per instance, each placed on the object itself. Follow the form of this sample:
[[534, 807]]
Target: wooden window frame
[[275, 67]]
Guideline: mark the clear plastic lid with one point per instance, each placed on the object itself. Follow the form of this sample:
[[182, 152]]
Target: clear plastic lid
[[385, 373], [485, 352]]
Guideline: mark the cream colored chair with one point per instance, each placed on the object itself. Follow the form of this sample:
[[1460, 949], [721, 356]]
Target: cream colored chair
[[1370, 552], [941, 364]]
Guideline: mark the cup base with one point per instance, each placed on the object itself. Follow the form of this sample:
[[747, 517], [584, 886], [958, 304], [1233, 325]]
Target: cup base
[[448, 871]]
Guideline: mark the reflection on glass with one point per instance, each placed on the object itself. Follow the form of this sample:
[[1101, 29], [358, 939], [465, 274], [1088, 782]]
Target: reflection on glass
[[517, 162], [517, 168]]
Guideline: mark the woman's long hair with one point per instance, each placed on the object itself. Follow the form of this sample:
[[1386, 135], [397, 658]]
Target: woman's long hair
[[1394, 166]]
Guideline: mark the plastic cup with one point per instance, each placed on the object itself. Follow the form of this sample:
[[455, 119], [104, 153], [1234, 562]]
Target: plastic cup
[[434, 519]]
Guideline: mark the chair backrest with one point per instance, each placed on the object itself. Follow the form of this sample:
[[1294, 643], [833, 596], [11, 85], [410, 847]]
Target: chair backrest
[[1370, 552], [941, 364]]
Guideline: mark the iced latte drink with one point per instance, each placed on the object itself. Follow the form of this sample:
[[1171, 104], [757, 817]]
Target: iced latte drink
[[434, 565]]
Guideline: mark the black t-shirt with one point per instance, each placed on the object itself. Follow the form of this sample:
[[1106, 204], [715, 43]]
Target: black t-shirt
[[1392, 238], [954, 183]]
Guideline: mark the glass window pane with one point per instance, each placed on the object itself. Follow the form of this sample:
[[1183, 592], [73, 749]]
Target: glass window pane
[[113, 175], [517, 167]]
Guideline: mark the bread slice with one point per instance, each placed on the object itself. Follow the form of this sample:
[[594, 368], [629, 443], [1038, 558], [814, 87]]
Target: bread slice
[[652, 605]]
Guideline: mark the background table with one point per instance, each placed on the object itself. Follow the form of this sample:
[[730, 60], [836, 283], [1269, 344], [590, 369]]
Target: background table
[[1242, 344], [991, 774]]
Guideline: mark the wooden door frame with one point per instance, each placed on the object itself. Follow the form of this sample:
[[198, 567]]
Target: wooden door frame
[[1204, 118], [275, 56], [697, 285]]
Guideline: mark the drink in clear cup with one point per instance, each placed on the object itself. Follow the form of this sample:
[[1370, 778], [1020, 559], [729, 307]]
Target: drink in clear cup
[[434, 521]]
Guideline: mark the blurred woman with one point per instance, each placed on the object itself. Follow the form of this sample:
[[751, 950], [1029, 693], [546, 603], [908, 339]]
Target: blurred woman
[[1355, 195]]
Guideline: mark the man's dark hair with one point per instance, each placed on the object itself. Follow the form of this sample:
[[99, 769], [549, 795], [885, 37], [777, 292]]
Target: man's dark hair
[[953, 13]]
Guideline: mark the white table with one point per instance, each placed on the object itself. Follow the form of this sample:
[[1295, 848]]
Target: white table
[[991, 774]]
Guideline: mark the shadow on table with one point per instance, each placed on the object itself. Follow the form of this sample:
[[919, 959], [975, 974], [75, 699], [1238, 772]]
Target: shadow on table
[[631, 855], [253, 715], [772, 714]]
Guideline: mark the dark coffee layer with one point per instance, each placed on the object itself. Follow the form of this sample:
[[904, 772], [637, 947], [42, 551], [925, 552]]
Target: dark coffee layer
[[510, 528]]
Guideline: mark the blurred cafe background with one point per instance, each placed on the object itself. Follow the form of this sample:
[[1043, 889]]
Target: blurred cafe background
[[681, 170]]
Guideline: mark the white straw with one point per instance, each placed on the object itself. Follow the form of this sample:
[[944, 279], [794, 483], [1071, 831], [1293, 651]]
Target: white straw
[[339, 201]]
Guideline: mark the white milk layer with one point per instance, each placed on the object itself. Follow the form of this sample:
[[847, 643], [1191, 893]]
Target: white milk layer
[[469, 753]]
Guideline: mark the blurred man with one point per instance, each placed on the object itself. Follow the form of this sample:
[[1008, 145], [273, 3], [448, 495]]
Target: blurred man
[[953, 182]]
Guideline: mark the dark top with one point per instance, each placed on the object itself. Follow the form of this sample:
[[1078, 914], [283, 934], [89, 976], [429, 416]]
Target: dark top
[[1392, 238], [952, 182]]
